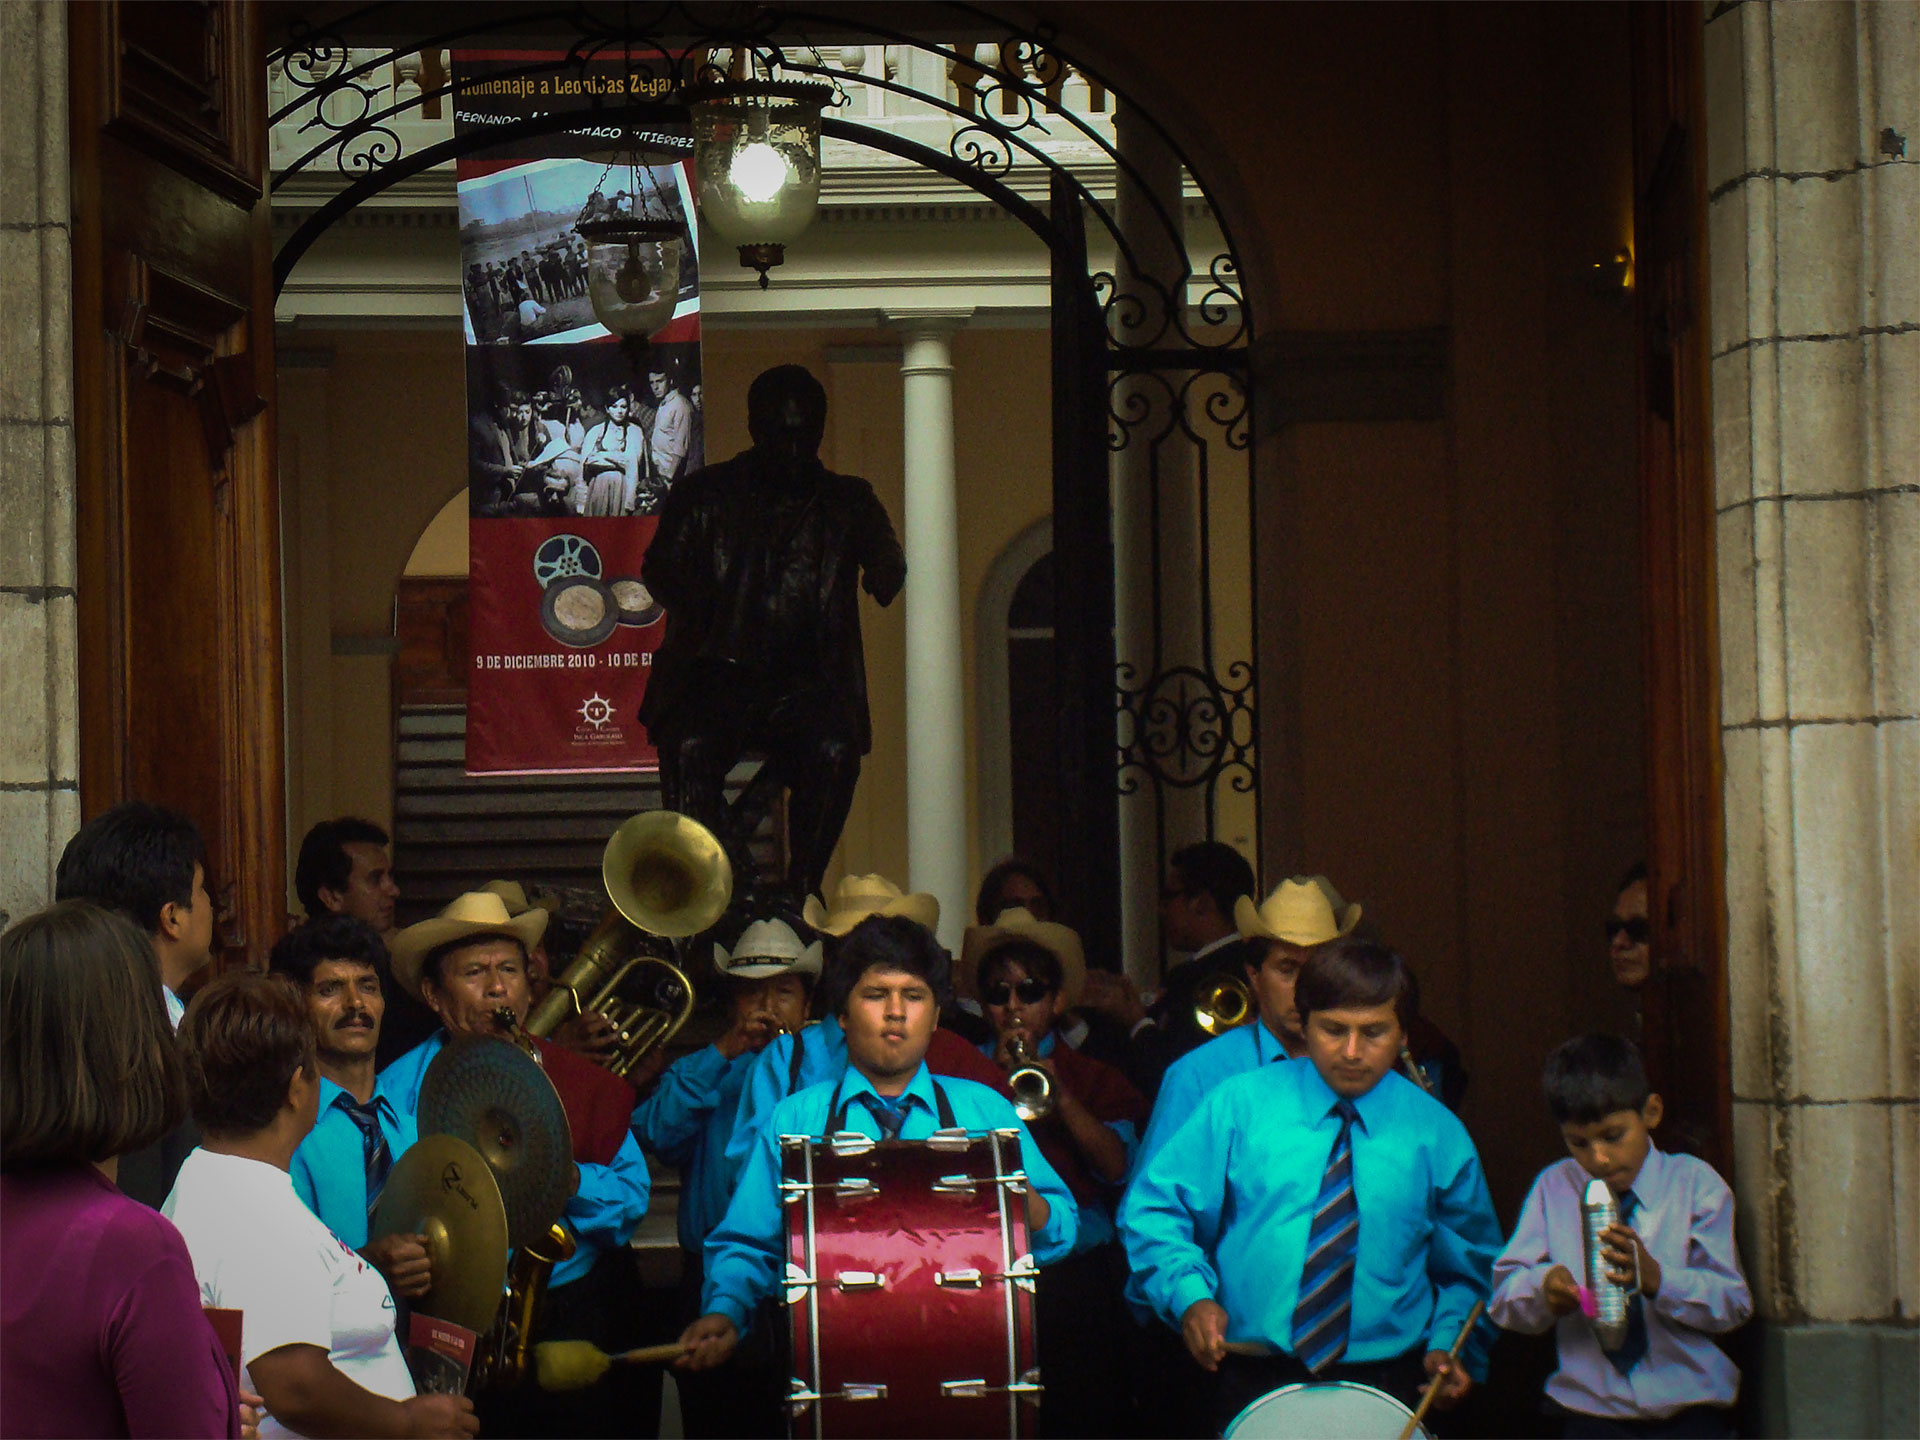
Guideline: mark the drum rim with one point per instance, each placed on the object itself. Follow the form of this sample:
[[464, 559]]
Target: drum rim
[[1289, 1388]]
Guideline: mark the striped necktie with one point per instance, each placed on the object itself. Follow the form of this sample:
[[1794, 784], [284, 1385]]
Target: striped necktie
[[373, 1145], [1634, 1348], [888, 1114], [1325, 1309]]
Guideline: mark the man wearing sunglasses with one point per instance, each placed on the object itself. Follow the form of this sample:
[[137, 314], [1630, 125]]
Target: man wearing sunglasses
[[1629, 932], [1027, 975]]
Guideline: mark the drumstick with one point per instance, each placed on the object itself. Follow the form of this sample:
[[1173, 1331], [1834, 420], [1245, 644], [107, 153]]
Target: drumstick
[[1433, 1386], [576, 1364], [1250, 1347]]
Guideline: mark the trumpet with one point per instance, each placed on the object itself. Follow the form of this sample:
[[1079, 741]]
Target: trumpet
[[668, 877], [1221, 1004], [1032, 1087]]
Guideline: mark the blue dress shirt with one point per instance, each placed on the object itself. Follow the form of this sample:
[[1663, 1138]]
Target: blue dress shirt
[[1196, 1074], [1222, 1212], [330, 1168], [745, 1255], [1685, 1220], [687, 1122], [770, 1079], [611, 1200]]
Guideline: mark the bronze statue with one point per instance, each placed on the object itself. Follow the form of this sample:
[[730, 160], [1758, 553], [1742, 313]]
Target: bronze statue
[[757, 560]]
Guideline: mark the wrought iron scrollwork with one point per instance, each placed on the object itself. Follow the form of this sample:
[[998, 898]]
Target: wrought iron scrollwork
[[1185, 728]]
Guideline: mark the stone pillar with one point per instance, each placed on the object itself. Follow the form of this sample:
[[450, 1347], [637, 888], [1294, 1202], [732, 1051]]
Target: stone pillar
[[936, 705], [40, 736], [1156, 520], [1813, 111]]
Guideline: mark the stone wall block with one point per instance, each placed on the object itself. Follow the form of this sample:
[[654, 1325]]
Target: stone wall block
[[1896, 637], [56, 180], [1758, 1185], [56, 341], [1900, 827], [1829, 609], [20, 339], [1818, 255], [1816, 86], [1822, 440], [1749, 953], [26, 880], [1890, 42], [1843, 1204], [1733, 552], [1906, 1218], [23, 691], [1893, 192], [1721, 63], [63, 819], [63, 681], [1839, 976], [1732, 428], [23, 504], [1777, 984], [1756, 83], [1770, 610], [59, 493], [20, 198], [1728, 321], [1893, 408]]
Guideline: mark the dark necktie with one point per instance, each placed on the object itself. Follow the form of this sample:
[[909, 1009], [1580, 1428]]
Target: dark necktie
[[889, 1115], [373, 1146], [1325, 1310], [1634, 1348]]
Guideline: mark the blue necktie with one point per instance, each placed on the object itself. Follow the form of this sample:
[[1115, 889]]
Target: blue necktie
[[889, 1115], [1634, 1348], [1325, 1310], [374, 1153]]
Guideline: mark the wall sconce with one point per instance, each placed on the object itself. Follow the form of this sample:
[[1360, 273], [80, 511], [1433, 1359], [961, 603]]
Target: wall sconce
[[756, 160]]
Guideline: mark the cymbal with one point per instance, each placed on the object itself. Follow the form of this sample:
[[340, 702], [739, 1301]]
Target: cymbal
[[491, 1094], [442, 1191]]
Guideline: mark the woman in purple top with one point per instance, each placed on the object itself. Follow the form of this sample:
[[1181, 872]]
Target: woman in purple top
[[101, 1330]]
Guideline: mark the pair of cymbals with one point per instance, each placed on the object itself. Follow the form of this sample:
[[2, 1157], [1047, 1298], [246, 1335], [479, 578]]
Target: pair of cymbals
[[442, 1191]]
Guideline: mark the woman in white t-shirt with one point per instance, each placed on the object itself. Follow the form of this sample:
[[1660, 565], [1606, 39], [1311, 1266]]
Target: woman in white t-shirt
[[317, 1322]]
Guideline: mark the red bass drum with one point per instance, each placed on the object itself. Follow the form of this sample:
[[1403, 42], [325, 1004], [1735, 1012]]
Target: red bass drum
[[909, 1286]]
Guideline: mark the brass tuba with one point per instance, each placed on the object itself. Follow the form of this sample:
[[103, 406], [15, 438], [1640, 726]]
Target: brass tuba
[[502, 1363], [1223, 1003], [668, 877]]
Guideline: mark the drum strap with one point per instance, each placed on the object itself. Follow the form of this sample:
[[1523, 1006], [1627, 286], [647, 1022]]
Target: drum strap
[[793, 1062], [837, 1116]]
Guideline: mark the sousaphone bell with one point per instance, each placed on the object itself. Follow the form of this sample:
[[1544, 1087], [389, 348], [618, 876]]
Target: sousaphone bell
[[668, 877]]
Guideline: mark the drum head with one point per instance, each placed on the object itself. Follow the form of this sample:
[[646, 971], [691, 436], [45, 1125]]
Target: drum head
[[1314, 1411]]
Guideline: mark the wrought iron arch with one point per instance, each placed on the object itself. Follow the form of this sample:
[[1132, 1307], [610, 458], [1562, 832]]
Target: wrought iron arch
[[1141, 361]]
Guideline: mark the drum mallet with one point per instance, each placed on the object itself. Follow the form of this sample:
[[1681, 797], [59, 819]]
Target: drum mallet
[[1453, 1358], [576, 1364]]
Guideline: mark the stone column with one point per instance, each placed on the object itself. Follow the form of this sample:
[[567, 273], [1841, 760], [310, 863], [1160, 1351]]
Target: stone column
[[40, 737], [936, 705], [1814, 257]]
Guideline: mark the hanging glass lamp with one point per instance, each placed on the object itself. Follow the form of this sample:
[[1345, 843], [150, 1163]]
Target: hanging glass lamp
[[756, 161]]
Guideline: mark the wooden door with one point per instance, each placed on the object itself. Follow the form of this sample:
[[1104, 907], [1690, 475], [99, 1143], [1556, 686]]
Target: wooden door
[[1685, 1000], [178, 515]]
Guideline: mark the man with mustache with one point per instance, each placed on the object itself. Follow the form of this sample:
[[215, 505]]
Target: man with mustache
[[335, 962]]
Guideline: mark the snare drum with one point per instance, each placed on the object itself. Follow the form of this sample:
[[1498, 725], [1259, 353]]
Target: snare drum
[[909, 1286], [1318, 1409]]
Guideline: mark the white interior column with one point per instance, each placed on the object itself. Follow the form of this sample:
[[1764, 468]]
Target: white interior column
[[936, 710]]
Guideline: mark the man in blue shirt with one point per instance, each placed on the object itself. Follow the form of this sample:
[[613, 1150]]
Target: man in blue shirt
[[1327, 1209], [687, 1121], [467, 964], [891, 983], [341, 1167]]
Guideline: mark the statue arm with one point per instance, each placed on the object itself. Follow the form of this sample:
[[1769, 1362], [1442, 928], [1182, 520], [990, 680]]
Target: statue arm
[[877, 548]]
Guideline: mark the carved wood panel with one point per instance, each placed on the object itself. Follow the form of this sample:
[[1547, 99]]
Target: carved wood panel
[[179, 605]]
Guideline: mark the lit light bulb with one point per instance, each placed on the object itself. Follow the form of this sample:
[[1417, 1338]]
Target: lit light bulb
[[758, 172]]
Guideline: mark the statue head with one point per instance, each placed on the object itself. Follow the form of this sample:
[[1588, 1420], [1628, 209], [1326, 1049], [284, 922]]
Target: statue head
[[787, 413]]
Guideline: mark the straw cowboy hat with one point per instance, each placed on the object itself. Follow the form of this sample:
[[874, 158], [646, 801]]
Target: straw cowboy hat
[[1018, 924], [515, 896], [478, 912], [1305, 910], [859, 896], [767, 948]]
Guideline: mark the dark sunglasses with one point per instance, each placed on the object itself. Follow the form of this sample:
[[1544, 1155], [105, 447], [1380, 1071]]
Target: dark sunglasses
[[1636, 930], [1031, 992]]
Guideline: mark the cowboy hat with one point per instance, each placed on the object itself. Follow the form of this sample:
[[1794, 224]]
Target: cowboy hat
[[767, 948], [515, 896], [1304, 910], [859, 896], [477, 913], [1017, 923]]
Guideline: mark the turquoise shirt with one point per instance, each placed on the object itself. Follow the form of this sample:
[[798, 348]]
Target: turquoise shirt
[[772, 1078], [687, 1122], [330, 1168], [1222, 1211], [1196, 1074], [611, 1200], [745, 1255]]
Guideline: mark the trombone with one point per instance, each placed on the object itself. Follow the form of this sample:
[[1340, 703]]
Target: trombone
[[668, 877]]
